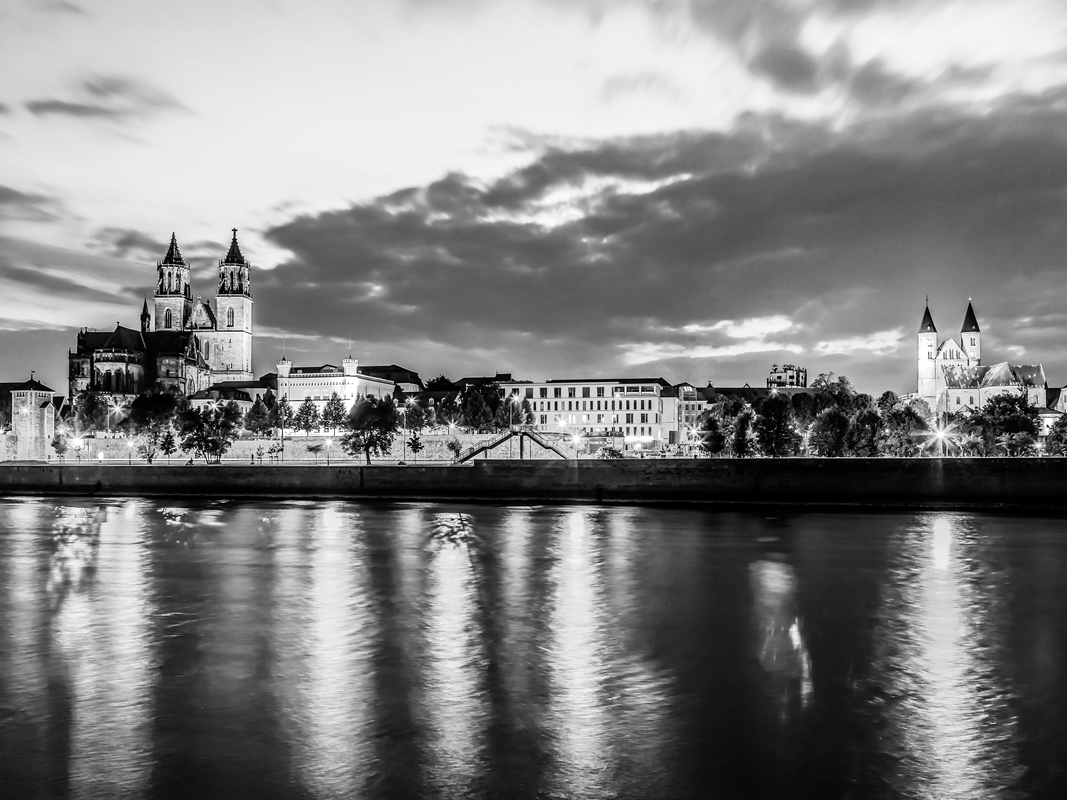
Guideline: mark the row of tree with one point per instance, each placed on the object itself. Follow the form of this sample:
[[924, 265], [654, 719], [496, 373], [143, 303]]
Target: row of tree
[[161, 422], [838, 421]]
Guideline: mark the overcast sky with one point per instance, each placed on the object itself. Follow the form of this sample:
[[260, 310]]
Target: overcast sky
[[696, 189]]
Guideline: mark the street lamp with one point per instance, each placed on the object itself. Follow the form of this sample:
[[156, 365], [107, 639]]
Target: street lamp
[[77, 444], [576, 438], [329, 441], [129, 452]]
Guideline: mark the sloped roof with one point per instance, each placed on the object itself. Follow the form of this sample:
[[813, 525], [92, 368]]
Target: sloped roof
[[312, 370], [123, 339], [202, 309], [1002, 374], [394, 373], [234, 255], [927, 324], [32, 384], [216, 392], [174, 255], [970, 321]]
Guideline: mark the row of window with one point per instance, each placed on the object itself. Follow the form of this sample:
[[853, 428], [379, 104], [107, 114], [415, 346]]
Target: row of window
[[586, 391], [622, 430], [587, 405], [601, 419]]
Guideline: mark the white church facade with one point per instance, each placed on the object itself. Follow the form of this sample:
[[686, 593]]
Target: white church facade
[[952, 377]]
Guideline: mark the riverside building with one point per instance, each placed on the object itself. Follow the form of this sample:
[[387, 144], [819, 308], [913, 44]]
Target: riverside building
[[184, 344], [319, 383], [634, 413]]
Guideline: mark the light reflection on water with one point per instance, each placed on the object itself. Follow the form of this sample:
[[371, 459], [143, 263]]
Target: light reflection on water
[[943, 675], [301, 649]]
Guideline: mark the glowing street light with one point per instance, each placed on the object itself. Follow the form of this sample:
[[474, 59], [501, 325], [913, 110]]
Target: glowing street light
[[129, 452], [329, 441]]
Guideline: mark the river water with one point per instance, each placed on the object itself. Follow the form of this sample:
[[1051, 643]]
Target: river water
[[290, 649]]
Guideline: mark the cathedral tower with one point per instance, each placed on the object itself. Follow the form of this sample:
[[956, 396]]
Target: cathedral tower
[[231, 357], [173, 297], [927, 350], [971, 335]]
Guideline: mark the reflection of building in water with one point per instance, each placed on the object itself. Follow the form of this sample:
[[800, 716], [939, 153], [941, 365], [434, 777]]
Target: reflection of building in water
[[950, 728], [783, 655], [321, 648], [103, 625], [455, 698]]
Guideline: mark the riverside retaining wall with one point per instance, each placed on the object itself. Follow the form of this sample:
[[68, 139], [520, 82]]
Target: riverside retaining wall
[[978, 481]]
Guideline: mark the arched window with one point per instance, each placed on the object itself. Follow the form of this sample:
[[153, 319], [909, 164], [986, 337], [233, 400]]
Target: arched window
[[970, 400], [170, 281], [168, 319], [107, 381], [207, 350], [229, 317], [957, 400]]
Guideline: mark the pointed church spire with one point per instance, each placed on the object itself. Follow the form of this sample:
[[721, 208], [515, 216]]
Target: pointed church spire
[[927, 325], [970, 321], [146, 318], [174, 255], [234, 256]]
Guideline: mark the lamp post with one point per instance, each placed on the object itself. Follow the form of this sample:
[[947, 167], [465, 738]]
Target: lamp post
[[329, 441], [129, 452]]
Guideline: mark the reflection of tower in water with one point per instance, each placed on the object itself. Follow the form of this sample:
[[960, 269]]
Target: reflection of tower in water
[[950, 728], [782, 652]]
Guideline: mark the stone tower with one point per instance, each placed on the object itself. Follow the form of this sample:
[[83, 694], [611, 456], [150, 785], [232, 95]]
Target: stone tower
[[231, 357], [926, 352], [173, 297], [971, 335], [32, 420]]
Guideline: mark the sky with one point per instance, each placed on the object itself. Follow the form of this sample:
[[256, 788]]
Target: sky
[[692, 189]]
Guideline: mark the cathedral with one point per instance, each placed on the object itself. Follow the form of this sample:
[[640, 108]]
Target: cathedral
[[951, 375], [182, 343]]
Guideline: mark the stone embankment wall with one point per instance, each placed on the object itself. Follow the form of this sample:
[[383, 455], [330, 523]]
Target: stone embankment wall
[[989, 482]]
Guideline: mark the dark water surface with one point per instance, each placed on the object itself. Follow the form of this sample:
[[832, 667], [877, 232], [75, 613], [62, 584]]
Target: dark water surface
[[332, 649]]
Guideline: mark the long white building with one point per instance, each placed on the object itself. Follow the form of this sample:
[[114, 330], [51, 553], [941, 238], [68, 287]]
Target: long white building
[[318, 383], [634, 413]]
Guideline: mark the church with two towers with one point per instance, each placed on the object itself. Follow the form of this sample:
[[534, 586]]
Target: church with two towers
[[951, 376], [184, 343]]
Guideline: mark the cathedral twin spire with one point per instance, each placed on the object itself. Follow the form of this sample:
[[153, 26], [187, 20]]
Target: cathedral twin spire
[[970, 321]]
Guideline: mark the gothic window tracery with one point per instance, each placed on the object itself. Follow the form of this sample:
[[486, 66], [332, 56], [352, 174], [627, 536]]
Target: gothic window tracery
[[229, 317], [168, 319]]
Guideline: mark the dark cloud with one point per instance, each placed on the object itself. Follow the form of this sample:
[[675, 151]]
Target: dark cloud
[[40, 279], [841, 234], [22, 205], [129, 244], [107, 97]]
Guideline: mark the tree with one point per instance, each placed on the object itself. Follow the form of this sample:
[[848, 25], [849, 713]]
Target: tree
[[510, 414], [90, 412], [282, 416], [743, 438], [1010, 414], [454, 447], [306, 418], [151, 415], [334, 413], [416, 446], [416, 416], [712, 438], [371, 426], [315, 449], [60, 444], [774, 427], [439, 384], [609, 452], [864, 433], [258, 418], [476, 414], [1056, 441], [210, 430], [828, 433], [831, 392], [168, 446], [899, 426], [527, 413], [1018, 444], [886, 401]]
